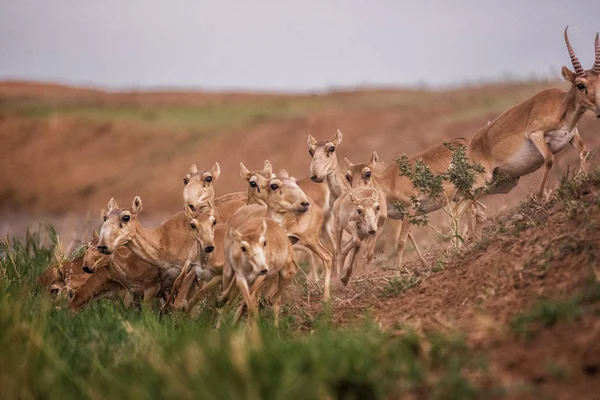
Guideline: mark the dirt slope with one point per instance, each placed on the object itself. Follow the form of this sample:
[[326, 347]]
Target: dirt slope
[[526, 295]]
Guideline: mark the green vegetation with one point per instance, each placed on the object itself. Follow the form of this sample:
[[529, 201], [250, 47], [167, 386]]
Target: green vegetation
[[546, 313], [108, 351], [461, 174], [398, 286]]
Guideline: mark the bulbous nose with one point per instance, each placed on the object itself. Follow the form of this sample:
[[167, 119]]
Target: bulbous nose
[[87, 269], [314, 178], [264, 272], [209, 249], [305, 204], [372, 232]]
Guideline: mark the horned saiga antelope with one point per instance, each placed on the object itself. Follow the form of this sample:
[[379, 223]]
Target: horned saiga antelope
[[528, 135]]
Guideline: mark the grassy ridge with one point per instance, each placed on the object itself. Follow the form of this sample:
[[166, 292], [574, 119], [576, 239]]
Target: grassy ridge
[[110, 351]]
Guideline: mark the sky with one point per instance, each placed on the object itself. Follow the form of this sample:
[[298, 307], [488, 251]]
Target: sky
[[279, 45]]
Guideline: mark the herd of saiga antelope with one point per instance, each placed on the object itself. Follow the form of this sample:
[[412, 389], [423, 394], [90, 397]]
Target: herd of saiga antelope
[[243, 242]]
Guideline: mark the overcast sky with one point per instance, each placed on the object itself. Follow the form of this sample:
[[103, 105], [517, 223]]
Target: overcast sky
[[289, 45]]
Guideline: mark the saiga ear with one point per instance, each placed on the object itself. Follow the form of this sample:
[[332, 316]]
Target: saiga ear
[[235, 235], [193, 169], [348, 164], [267, 167], [567, 74], [112, 204], [374, 159], [375, 195], [244, 172], [353, 199], [136, 205], [95, 235], [264, 227], [312, 142], [283, 173], [337, 138], [215, 172]]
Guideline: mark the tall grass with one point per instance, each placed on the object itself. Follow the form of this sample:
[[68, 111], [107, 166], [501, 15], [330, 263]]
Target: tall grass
[[109, 351]]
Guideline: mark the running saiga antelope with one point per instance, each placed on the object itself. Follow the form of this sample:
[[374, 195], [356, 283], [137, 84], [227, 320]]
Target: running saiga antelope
[[284, 198], [260, 250], [528, 135], [304, 228], [127, 269], [361, 212], [166, 247], [400, 189], [324, 167]]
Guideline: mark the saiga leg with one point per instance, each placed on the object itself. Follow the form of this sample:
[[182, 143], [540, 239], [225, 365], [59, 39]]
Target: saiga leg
[[537, 138]]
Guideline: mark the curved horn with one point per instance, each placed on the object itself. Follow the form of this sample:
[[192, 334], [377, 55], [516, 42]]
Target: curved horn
[[574, 60], [596, 66]]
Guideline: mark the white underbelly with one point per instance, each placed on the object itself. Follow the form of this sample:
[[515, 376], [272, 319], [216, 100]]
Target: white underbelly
[[528, 158]]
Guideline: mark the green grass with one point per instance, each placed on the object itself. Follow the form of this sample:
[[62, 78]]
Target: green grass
[[546, 313], [109, 351]]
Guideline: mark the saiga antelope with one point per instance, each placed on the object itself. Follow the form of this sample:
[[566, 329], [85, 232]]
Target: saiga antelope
[[528, 135], [259, 249], [400, 189], [304, 228], [199, 189], [127, 269], [324, 166], [361, 212], [284, 198], [63, 277], [166, 247]]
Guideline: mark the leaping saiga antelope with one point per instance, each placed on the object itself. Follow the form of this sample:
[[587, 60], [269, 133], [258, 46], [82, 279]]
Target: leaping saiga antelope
[[528, 135]]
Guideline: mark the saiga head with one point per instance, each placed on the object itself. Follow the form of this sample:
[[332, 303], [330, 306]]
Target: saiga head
[[586, 83], [204, 226], [93, 257], [251, 250], [284, 195], [361, 175], [199, 188], [324, 159], [367, 213], [258, 182], [120, 226]]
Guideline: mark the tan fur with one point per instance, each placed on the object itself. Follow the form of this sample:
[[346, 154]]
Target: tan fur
[[128, 270], [528, 135], [166, 247], [361, 212], [206, 267], [304, 228], [258, 251], [399, 189], [98, 286], [63, 277], [199, 189]]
